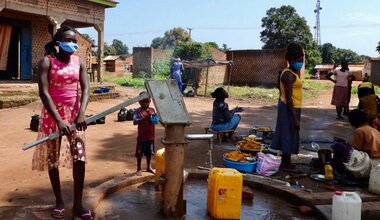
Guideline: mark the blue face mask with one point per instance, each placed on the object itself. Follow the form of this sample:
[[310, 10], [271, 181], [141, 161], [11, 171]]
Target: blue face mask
[[69, 47], [297, 65]]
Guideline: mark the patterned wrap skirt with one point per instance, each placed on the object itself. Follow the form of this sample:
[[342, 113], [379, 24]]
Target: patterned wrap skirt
[[61, 151]]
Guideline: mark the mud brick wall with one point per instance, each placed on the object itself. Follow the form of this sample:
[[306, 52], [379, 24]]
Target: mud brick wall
[[142, 61], [256, 67], [217, 75]]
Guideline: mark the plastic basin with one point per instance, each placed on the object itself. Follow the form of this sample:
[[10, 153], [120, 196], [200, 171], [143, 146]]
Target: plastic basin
[[249, 167]]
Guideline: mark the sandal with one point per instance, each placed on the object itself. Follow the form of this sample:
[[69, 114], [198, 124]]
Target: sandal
[[87, 215], [58, 213]]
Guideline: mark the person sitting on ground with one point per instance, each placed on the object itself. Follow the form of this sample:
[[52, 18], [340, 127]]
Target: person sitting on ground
[[364, 152], [145, 118], [223, 118]]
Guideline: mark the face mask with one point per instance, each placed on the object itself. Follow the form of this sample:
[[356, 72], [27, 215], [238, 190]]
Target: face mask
[[297, 65], [69, 47]]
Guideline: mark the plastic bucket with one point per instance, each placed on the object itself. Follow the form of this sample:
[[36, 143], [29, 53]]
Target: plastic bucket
[[249, 167]]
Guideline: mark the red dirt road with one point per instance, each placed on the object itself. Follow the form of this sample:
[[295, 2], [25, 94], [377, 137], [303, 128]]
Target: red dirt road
[[111, 145]]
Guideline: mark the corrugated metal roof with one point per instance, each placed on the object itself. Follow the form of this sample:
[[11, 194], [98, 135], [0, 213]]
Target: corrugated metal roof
[[112, 57], [324, 66], [107, 3]]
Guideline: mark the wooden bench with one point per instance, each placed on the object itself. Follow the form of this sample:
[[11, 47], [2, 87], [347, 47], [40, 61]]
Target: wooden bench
[[219, 133]]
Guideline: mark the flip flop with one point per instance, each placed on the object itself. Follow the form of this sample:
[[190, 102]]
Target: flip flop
[[87, 215], [58, 213], [151, 171]]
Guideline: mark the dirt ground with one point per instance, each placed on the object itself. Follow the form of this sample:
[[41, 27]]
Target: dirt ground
[[111, 146]]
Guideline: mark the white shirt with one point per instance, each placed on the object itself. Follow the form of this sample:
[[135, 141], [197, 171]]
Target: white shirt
[[341, 77]]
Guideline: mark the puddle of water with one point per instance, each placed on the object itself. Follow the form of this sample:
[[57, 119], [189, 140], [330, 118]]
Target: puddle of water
[[141, 201]]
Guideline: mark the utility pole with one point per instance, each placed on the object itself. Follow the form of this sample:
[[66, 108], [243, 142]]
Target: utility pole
[[317, 27], [189, 33]]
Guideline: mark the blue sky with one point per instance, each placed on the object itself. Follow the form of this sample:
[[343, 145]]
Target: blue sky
[[348, 24]]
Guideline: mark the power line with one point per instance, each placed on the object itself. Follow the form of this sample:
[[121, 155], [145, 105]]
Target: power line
[[137, 33], [242, 28]]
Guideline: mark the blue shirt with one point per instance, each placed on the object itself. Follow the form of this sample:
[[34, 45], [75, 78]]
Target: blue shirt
[[176, 71]]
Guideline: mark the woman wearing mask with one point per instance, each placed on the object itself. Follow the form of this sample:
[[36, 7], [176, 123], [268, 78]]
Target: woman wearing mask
[[63, 88], [286, 137]]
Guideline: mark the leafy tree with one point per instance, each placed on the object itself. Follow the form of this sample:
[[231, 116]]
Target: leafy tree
[[378, 47], [171, 38], [109, 49], [157, 42], [331, 54], [328, 53], [224, 48], [347, 55], [120, 48], [212, 44], [190, 51], [282, 26]]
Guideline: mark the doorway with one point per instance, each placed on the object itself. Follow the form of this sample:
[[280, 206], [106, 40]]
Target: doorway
[[15, 50]]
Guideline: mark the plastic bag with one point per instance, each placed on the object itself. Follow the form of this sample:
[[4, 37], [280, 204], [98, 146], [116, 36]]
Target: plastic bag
[[122, 115], [154, 119], [267, 164], [34, 122]]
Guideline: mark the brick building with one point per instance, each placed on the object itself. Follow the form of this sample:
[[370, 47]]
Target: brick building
[[115, 63], [31, 24]]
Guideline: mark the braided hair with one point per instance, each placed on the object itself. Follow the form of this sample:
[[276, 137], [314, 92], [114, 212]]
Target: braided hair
[[50, 46]]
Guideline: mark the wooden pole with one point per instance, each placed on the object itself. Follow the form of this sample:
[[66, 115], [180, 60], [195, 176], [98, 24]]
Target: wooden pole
[[230, 72], [208, 64], [174, 141]]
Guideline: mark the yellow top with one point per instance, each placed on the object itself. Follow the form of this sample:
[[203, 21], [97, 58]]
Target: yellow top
[[296, 90], [366, 85]]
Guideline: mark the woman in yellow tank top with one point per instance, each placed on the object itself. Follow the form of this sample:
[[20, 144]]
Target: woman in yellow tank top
[[286, 137]]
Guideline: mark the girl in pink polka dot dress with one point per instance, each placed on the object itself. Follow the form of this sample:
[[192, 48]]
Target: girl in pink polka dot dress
[[61, 76]]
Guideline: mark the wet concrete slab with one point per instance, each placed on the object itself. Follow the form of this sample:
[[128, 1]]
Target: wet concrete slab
[[141, 201]]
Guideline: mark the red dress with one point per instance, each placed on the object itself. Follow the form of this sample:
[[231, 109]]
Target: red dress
[[63, 88]]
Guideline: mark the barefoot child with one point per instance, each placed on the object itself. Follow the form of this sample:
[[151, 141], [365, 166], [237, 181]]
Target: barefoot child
[[145, 119]]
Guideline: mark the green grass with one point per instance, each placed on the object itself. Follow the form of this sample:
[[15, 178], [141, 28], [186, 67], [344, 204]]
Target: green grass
[[311, 88], [244, 92], [127, 80]]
